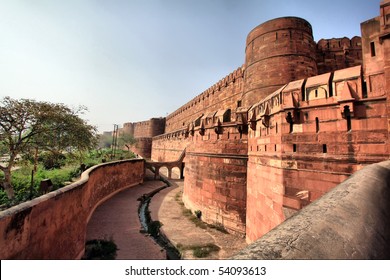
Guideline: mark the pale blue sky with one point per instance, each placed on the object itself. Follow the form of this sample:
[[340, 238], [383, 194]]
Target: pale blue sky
[[130, 60]]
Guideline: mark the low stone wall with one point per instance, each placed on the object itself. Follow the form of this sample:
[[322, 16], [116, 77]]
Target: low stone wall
[[352, 221], [53, 226]]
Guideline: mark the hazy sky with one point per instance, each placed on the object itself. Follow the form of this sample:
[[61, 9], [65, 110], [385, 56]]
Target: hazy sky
[[131, 60]]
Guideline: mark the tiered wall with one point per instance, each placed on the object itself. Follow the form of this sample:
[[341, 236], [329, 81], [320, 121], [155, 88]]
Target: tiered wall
[[305, 139], [277, 52], [338, 53]]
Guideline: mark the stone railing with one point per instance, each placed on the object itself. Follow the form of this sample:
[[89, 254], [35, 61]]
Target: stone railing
[[53, 226], [352, 221]]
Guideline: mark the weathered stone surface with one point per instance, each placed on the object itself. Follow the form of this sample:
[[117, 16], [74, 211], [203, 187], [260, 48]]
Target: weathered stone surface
[[349, 222]]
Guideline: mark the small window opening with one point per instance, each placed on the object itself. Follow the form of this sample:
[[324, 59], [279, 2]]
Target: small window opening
[[238, 103], [324, 148], [275, 148], [317, 125], [347, 114], [265, 148], [276, 128], [365, 89], [257, 148], [294, 148], [372, 46], [316, 93]]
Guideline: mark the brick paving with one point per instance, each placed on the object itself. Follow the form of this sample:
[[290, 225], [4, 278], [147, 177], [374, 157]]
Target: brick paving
[[117, 218]]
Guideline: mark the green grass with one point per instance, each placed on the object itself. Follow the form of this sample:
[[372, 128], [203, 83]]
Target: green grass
[[100, 249], [196, 216], [199, 250]]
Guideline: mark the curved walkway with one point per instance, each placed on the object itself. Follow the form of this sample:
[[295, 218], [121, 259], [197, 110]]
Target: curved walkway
[[117, 219]]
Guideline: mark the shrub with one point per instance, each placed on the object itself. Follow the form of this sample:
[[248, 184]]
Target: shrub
[[100, 249]]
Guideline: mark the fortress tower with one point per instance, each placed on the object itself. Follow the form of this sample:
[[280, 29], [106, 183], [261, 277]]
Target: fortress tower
[[277, 52], [296, 119]]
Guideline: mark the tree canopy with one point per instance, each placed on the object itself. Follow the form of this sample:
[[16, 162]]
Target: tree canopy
[[27, 124]]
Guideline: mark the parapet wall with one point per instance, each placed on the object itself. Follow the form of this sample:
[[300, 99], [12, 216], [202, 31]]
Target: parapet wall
[[53, 226], [349, 222], [224, 94], [338, 53], [150, 128]]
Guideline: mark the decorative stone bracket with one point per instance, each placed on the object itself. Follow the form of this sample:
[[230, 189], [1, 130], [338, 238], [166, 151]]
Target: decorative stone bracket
[[290, 116], [242, 120], [347, 110]]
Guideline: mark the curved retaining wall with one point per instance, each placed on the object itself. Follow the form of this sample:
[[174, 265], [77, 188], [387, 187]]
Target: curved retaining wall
[[53, 226], [349, 222]]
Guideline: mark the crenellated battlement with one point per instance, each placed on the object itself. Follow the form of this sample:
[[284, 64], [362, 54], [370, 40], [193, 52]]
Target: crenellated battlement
[[210, 92], [338, 53]]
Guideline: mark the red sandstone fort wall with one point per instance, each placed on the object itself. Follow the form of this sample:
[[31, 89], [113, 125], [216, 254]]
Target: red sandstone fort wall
[[143, 133], [277, 52], [338, 53], [169, 146], [303, 133], [305, 140], [223, 94], [150, 128], [215, 177]]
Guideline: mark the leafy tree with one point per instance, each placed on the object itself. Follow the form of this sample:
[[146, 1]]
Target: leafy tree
[[105, 140], [27, 125], [126, 140]]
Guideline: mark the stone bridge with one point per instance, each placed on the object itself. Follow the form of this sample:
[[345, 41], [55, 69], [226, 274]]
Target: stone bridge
[[155, 166]]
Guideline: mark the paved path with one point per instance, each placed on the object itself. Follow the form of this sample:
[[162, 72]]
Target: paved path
[[117, 218], [165, 208]]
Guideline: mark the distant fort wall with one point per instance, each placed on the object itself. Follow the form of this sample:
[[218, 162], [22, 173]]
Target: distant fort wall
[[143, 132]]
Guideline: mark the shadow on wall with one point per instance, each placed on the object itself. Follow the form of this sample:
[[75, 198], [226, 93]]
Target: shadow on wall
[[352, 221]]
